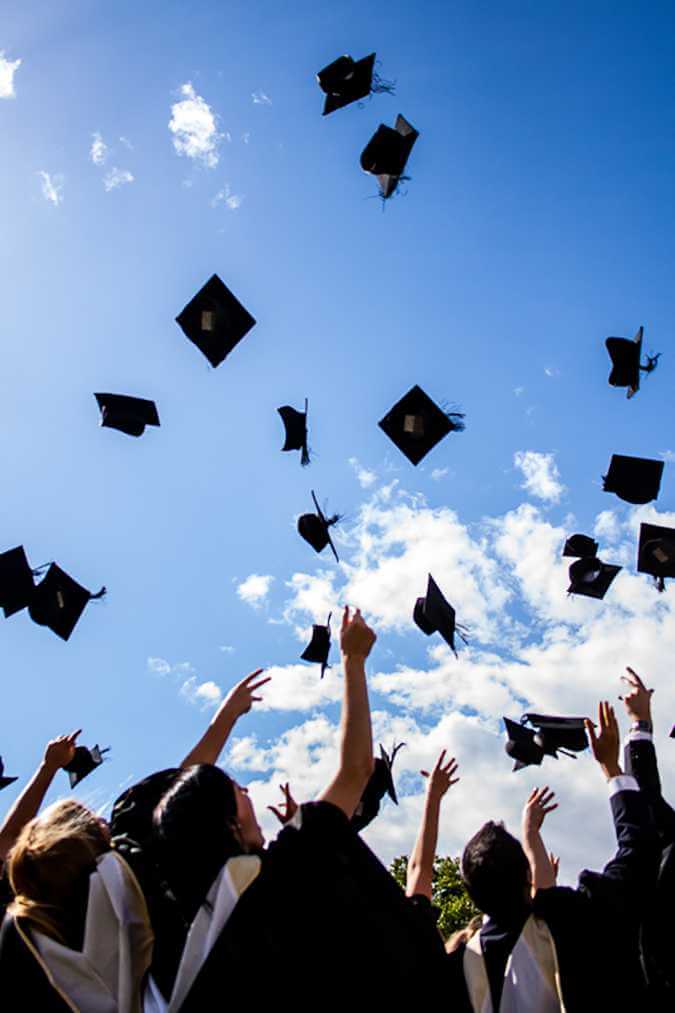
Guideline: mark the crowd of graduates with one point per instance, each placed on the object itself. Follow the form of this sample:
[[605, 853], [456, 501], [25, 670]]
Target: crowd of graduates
[[178, 902]]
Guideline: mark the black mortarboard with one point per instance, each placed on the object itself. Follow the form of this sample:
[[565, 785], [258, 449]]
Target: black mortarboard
[[128, 414], [626, 366], [387, 152], [295, 424], [345, 81], [5, 781], [591, 577], [318, 648], [314, 528], [215, 321], [521, 746], [656, 553], [16, 581], [548, 736], [433, 614], [58, 601], [83, 762], [416, 424], [380, 783], [633, 479], [580, 545]]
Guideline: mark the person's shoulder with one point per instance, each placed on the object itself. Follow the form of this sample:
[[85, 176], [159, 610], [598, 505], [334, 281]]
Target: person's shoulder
[[558, 900]]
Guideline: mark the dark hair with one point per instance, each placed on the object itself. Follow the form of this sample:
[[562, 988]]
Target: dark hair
[[496, 872], [196, 833]]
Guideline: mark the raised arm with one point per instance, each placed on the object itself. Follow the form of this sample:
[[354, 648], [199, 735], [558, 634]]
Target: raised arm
[[640, 753], [536, 809], [421, 862], [58, 754], [356, 740], [238, 701]]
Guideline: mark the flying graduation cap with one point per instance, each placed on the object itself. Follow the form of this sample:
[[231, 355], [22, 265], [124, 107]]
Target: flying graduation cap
[[590, 577], [380, 783], [580, 545], [215, 321], [346, 80], [548, 736], [295, 425], [416, 424], [387, 153], [318, 648], [16, 581], [433, 614], [626, 365], [633, 479], [83, 762], [5, 781], [314, 528], [656, 553], [58, 601], [128, 414]]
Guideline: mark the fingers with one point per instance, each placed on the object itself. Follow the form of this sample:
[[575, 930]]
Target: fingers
[[439, 761], [260, 682], [276, 812], [73, 736], [251, 675], [424, 773], [590, 731], [345, 618]]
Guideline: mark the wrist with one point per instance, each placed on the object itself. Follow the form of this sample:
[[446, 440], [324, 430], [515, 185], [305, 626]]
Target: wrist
[[48, 768], [642, 725], [353, 658], [611, 770]]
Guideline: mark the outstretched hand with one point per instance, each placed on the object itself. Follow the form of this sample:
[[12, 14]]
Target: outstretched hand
[[241, 697], [638, 699], [605, 746], [536, 809], [440, 778], [356, 637], [60, 751], [289, 805]]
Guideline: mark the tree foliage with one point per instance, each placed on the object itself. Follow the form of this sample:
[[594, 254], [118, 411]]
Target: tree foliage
[[448, 892]]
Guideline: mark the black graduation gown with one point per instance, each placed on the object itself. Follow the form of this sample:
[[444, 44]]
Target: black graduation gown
[[24, 986]]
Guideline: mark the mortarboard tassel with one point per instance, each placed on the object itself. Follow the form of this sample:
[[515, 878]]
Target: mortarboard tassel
[[94, 597], [382, 86]]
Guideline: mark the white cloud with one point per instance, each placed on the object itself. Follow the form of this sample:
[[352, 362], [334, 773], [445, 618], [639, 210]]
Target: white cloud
[[116, 177], [541, 475], [255, 589], [607, 526], [202, 694], [193, 126], [518, 391], [551, 371], [8, 69], [246, 136], [98, 151], [261, 99], [438, 473], [668, 456], [365, 477], [127, 143], [52, 187], [225, 196], [226, 649], [159, 665]]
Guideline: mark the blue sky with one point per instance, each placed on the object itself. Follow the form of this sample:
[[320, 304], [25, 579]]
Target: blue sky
[[538, 220]]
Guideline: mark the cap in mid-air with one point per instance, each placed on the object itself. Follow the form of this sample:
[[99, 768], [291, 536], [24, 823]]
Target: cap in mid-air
[[656, 553], [83, 762], [346, 80], [433, 614], [5, 781], [416, 424], [16, 581], [128, 414], [626, 355], [580, 545], [295, 426], [633, 479], [591, 577], [315, 529], [547, 736], [318, 648], [380, 783], [387, 153], [58, 601], [215, 321]]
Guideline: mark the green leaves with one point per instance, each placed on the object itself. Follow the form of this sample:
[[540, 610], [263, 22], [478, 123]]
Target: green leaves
[[448, 892]]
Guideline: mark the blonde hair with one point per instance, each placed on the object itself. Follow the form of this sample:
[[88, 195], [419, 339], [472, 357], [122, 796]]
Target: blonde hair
[[464, 935], [49, 868]]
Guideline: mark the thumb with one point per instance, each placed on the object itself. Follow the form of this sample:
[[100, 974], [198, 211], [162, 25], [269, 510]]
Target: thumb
[[424, 773], [276, 813]]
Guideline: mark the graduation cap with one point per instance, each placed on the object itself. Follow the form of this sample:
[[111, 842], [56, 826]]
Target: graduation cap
[[318, 648], [128, 414], [83, 762], [215, 321], [633, 479], [314, 528], [58, 601], [626, 365], [16, 581], [346, 80], [580, 545], [433, 614], [416, 424], [548, 736], [380, 783], [295, 424], [591, 577], [5, 781], [387, 152], [656, 553]]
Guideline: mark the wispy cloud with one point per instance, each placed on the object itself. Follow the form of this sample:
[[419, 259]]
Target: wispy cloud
[[227, 649], [518, 391], [8, 69], [540, 471], [202, 694], [116, 177], [246, 136], [365, 477], [225, 196], [98, 151], [193, 126], [438, 473], [551, 371], [261, 99], [127, 143], [52, 187], [255, 589]]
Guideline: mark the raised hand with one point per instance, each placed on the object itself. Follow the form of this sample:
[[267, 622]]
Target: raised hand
[[356, 637], [440, 778], [60, 751], [537, 808], [289, 805], [638, 699], [241, 697], [605, 746], [555, 864]]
